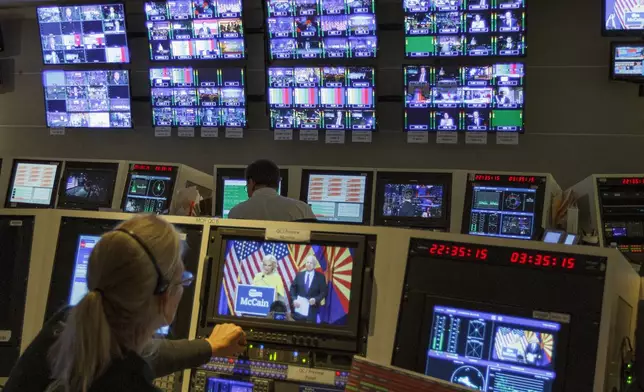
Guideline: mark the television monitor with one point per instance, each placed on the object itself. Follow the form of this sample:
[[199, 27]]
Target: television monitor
[[83, 34], [338, 196], [413, 199], [231, 189], [478, 98], [571, 239], [149, 188], [195, 30], [87, 185], [627, 61], [87, 99], [321, 29], [33, 184], [206, 97], [554, 236], [621, 17], [330, 98], [454, 28]]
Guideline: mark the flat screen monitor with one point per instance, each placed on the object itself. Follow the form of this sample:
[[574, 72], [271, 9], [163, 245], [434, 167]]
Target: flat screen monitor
[[87, 185], [627, 61], [332, 98], [206, 97], [84, 248], [83, 34], [622, 17], [195, 30], [149, 188], [87, 99], [33, 184], [321, 29], [231, 189], [571, 239], [453, 28], [464, 98], [338, 196], [553, 236]]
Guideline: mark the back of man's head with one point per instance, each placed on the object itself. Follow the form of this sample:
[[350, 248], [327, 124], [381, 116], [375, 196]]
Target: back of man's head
[[264, 172]]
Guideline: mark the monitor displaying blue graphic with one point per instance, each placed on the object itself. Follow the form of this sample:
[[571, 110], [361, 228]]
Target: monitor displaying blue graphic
[[78, 288], [628, 61], [503, 212], [623, 17], [492, 352], [315, 29]]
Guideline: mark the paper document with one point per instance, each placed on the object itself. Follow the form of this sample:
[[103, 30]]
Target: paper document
[[303, 309]]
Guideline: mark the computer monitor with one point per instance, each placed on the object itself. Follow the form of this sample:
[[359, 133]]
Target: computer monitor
[[622, 18], [413, 199], [33, 184], [87, 185], [571, 239], [149, 188], [627, 61], [338, 196], [231, 189], [554, 236]]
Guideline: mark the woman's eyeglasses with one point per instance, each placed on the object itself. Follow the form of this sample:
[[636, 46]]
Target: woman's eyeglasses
[[186, 279]]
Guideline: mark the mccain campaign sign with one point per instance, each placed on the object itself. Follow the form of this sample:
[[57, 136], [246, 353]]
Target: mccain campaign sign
[[254, 300]]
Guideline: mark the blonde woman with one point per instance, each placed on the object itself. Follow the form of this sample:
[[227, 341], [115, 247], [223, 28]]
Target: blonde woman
[[270, 277], [135, 279]]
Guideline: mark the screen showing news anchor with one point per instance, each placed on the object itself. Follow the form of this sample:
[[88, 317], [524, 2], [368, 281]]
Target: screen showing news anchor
[[287, 282], [624, 16], [413, 200]]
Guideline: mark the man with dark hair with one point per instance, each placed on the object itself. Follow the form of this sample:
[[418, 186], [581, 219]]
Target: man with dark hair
[[264, 203]]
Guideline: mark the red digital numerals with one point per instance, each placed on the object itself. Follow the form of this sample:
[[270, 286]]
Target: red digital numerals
[[541, 260], [457, 251], [632, 181]]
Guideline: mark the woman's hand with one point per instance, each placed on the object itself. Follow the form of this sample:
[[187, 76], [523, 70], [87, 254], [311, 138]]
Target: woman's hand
[[227, 340]]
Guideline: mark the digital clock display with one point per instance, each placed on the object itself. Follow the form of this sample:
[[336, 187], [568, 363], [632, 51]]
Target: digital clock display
[[632, 181], [507, 178], [153, 168]]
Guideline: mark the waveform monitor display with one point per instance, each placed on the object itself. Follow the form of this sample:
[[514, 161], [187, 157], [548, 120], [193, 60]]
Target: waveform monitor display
[[83, 34], [195, 30], [87, 99], [628, 61], [337, 197], [451, 28], [339, 98], [315, 29], [464, 98], [503, 212], [207, 97], [623, 17]]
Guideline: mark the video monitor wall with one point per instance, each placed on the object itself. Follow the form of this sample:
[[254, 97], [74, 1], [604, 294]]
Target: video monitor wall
[[464, 98], [451, 28], [623, 17], [83, 34], [195, 30], [627, 61], [33, 184], [207, 97], [87, 99], [333, 97], [316, 29]]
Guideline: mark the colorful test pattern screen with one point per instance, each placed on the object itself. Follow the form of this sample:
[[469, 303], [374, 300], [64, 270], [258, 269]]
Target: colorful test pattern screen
[[87, 99], [83, 34], [341, 98], [628, 61], [449, 28], [195, 30], [457, 98], [207, 97], [314, 29], [624, 16]]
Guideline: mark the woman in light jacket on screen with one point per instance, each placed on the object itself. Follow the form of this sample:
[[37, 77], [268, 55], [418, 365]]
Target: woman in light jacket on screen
[[269, 277]]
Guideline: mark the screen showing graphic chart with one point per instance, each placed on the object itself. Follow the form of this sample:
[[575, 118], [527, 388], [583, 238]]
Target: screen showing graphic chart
[[464, 98], [336, 98], [492, 352], [83, 34], [34, 183], [206, 97], [304, 283], [149, 188], [413, 201], [195, 30], [87, 99], [623, 16], [235, 192], [315, 29], [503, 212], [337, 197], [628, 61], [450, 28]]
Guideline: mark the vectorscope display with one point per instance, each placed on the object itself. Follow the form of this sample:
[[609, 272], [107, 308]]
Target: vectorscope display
[[339, 98], [449, 28], [464, 98], [313, 29]]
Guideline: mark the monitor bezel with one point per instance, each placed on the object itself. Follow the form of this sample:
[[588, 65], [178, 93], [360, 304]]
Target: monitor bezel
[[611, 71], [54, 189], [224, 174], [132, 170], [420, 178], [89, 166], [368, 196], [216, 271], [616, 33]]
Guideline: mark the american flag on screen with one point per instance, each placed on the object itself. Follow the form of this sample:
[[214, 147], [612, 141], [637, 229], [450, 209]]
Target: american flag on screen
[[623, 6]]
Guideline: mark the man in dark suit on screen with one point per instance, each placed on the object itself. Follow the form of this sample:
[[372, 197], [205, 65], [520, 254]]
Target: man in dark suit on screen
[[308, 285]]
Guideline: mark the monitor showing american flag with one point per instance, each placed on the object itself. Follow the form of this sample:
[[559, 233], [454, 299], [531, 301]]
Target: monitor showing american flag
[[624, 16]]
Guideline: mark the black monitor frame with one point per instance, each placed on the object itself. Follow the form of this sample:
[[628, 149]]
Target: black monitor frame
[[54, 190], [215, 270], [383, 178], [89, 166], [366, 212], [611, 71], [143, 168], [228, 173]]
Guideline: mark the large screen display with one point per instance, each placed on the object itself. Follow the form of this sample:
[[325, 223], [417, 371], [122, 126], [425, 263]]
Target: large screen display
[[500, 211], [450, 28], [464, 98], [195, 30], [34, 183], [628, 61], [623, 17], [83, 34], [87, 99], [315, 29], [337, 197], [288, 282], [492, 352], [413, 201], [340, 98], [207, 97]]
